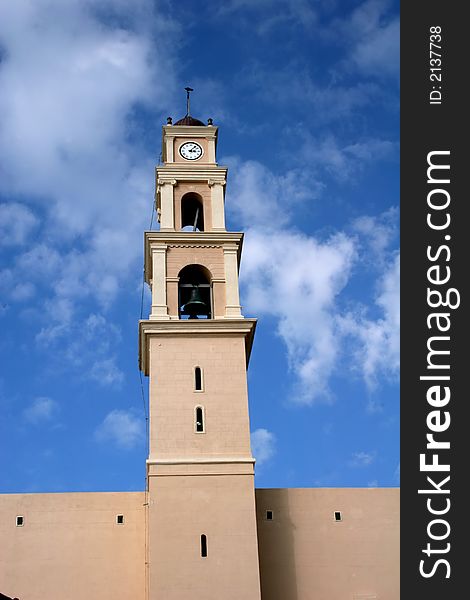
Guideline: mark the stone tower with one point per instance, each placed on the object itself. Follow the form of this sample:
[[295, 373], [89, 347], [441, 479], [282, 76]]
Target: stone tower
[[195, 347]]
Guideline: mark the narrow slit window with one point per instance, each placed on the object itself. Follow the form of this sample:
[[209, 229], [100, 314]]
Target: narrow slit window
[[338, 516], [203, 546], [19, 521], [198, 379], [269, 515], [199, 419], [120, 519]]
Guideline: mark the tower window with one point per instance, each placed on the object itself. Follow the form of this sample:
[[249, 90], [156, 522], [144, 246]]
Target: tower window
[[269, 515], [19, 521], [338, 516], [199, 425], [199, 419], [195, 293], [198, 379], [119, 519], [192, 212], [203, 546]]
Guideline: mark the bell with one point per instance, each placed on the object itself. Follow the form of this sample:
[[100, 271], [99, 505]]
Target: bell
[[195, 306]]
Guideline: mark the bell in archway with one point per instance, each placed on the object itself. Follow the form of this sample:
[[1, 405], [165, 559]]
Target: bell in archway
[[195, 305]]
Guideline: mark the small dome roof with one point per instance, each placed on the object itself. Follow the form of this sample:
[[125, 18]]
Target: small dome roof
[[189, 121]]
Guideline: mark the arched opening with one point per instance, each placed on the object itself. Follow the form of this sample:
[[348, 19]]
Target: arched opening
[[195, 293], [192, 212], [203, 546], [199, 418]]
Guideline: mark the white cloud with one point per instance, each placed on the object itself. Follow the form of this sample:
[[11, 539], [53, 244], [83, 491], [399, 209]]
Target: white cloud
[[342, 159], [258, 197], [304, 280], [379, 53], [263, 445], [41, 410], [374, 38], [71, 83], [22, 291], [272, 13], [293, 87], [123, 428], [377, 234], [40, 262], [16, 222], [379, 339], [106, 372], [362, 459], [11, 288], [87, 345]]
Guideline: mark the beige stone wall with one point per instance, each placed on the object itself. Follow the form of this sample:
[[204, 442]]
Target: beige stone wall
[[306, 555], [70, 546], [179, 256], [173, 397], [220, 507]]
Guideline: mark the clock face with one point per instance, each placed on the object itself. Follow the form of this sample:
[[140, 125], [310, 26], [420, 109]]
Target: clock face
[[191, 151]]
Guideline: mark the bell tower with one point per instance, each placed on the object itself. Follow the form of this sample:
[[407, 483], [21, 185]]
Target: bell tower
[[195, 347]]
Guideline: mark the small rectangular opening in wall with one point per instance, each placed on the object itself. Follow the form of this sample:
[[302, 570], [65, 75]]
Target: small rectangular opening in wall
[[203, 546], [199, 419], [338, 516], [19, 521], [269, 515], [119, 519], [198, 379]]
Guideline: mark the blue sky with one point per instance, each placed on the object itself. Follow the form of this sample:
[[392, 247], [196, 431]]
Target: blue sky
[[306, 97]]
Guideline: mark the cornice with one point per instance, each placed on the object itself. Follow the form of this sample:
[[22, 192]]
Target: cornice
[[194, 237], [193, 327], [182, 172], [200, 461], [185, 239], [207, 131]]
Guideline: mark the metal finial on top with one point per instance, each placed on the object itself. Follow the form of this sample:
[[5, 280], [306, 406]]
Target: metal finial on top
[[188, 91]]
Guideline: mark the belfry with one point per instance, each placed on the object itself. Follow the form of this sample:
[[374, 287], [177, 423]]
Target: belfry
[[200, 531], [195, 347]]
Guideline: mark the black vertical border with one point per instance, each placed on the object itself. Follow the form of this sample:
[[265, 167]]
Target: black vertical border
[[426, 128]]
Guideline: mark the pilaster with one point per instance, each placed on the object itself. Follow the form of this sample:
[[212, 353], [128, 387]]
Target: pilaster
[[218, 204], [232, 307], [167, 213], [159, 303]]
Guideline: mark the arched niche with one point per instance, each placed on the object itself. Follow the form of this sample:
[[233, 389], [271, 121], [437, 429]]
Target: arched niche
[[192, 212], [195, 293]]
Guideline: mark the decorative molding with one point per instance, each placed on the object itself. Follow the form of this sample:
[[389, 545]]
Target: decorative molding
[[200, 461], [189, 239], [203, 131], [211, 182], [197, 237], [184, 172], [195, 246]]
